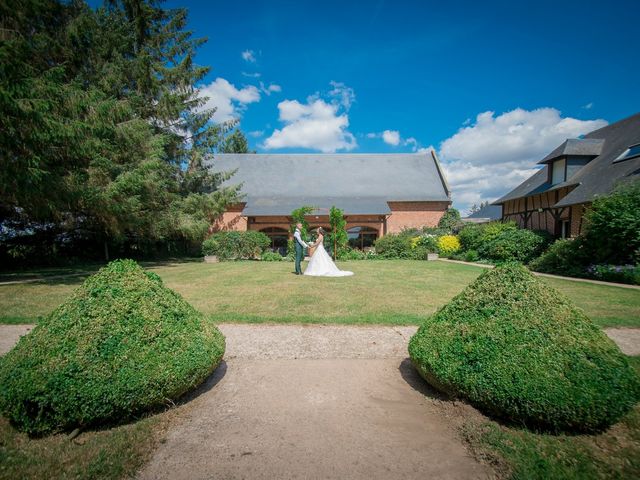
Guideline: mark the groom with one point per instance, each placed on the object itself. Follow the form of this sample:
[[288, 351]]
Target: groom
[[300, 246]]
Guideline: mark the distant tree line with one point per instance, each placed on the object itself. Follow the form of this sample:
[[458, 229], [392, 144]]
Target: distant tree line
[[476, 208], [103, 135]]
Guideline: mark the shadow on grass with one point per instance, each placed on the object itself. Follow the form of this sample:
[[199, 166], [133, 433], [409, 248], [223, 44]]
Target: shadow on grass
[[78, 274]]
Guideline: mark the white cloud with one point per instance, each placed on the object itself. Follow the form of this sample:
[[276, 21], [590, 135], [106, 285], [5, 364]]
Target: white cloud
[[413, 142], [252, 75], [426, 149], [344, 95], [249, 56], [391, 137], [492, 155], [588, 106], [269, 89], [228, 100], [317, 124], [256, 133]]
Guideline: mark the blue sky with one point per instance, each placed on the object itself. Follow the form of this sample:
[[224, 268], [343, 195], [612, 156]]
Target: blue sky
[[492, 86]]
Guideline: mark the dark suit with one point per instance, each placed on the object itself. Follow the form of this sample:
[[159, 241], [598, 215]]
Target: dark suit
[[299, 253]]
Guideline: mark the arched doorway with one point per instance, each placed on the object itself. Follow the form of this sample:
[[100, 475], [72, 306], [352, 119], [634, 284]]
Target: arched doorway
[[362, 237], [279, 238]]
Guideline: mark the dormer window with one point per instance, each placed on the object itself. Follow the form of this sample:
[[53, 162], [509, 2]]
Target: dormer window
[[563, 169], [631, 152], [558, 171], [569, 158]]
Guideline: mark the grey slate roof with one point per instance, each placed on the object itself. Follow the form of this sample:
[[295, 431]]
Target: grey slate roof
[[275, 184], [490, 212], [596, 178], [258, 206], [588, 147]]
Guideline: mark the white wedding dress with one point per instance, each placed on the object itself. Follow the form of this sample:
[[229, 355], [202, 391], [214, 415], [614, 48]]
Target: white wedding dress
[[321, 265]]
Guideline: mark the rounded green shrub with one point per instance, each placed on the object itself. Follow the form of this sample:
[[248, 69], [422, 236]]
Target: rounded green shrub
[[351, 254], [270, 256], [518, 349], [122, 344], [515, 245], [563, 257], [394, 246]]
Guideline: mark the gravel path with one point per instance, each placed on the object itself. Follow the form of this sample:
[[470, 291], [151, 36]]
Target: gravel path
[[326, 402], [260, 342], [628, 339], [9, 335], [313, 419], [335, 341]]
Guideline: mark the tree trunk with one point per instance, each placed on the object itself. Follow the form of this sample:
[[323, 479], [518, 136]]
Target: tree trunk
[[106, 251]]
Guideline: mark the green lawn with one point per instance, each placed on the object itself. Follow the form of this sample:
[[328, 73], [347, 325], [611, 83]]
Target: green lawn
[[382, 292], [109, 454]]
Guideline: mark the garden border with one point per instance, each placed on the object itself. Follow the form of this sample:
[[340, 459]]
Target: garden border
[[549, 275]]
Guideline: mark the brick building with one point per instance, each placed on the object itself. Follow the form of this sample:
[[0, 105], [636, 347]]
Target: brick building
[[379, 193], [556, 197]]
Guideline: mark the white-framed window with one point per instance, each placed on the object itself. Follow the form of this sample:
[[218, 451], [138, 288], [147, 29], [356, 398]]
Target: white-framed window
[[631, 152], [558, 171]]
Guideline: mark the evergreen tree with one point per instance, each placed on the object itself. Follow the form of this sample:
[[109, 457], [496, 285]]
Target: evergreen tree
[[102, 123], [450, 219], [235, 143]]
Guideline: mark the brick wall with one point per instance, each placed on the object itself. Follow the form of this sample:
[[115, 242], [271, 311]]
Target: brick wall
[[577, 218], [373, 221], [232, 219], [403, 215], [414, 215]]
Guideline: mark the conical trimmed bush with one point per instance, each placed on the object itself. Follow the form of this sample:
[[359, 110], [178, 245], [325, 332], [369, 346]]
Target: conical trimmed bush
[[518, 349], [122, 344]]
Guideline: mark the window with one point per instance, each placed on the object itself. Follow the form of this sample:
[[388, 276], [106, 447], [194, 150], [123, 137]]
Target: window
[[279, 238], [631, 152], [558, 171], [362, 237]]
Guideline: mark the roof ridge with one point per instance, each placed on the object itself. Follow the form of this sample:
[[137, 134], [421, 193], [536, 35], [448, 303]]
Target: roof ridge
[[322, 154]]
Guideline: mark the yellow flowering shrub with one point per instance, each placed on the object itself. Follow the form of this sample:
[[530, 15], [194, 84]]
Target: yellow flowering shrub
[[415, 241], [448, 244]]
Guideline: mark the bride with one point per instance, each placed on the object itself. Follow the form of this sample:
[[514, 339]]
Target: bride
[[321, 264]]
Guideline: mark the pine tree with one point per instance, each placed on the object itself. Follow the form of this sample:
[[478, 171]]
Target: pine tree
[[235, 143], [104, 126]]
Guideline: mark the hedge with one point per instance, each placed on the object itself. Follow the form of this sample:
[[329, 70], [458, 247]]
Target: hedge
[[394, 246], [122, 344], [612, 225], [519, 244], [563, 257], [236, 245], [518, 349]]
